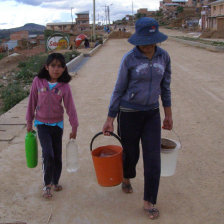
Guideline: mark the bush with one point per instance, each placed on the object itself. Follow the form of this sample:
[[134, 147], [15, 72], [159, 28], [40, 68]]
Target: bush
[[2, 56], [12, 94], [30, 68], [70, 55]]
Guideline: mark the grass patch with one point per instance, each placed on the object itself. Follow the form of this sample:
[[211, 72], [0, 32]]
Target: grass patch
[[2, 55], [199, 40], [12, 94]]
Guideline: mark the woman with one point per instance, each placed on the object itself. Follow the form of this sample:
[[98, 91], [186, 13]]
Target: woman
[[144, 74]]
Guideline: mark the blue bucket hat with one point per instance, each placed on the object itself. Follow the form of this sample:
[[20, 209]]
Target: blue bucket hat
[[146, 32]]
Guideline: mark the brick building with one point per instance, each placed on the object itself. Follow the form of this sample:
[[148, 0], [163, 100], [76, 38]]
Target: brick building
[[216, 20], [19, 35], [61, 26], [172, 4], [82, 21]]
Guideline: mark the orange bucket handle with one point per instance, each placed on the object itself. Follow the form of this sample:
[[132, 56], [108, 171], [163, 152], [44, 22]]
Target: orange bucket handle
[[101, 133]]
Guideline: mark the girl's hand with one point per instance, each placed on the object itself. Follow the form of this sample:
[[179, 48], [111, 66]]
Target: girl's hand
[[168, 123], [108, 126], [73, 134], [29, 129]]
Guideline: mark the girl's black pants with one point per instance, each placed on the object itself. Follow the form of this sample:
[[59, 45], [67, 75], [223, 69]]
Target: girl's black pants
[[144, 126], [51, 143]]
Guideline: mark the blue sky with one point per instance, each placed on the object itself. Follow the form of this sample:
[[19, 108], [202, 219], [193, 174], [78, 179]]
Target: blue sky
[[15, 13]]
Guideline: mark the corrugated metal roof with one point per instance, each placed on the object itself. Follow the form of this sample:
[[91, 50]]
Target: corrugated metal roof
[[179, 1], [60, 23], [217, 2], [85, 12], [171, 4]]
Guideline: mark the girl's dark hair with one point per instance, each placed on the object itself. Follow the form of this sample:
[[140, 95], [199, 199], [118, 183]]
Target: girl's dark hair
[[44, 74]]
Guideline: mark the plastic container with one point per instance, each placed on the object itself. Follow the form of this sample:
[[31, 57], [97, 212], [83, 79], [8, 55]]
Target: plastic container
[[31, 149], [72, 161], [169, 152], [107, 162]]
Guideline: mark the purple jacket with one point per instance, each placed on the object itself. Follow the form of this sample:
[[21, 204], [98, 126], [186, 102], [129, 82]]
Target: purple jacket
[[46, 105], [141, 81]]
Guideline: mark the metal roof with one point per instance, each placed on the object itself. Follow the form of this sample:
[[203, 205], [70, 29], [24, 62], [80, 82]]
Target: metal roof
[[185, 1], [85, 12], [217, 2], [60, 23]]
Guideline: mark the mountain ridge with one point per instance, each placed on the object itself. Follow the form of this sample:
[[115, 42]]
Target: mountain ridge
[[32, 28]]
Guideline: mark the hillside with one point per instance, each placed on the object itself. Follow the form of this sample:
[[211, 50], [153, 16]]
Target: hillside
[[32, 28]]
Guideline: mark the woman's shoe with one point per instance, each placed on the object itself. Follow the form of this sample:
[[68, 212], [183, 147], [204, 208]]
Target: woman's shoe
[[152, 212], [126, 188], [57, 187]]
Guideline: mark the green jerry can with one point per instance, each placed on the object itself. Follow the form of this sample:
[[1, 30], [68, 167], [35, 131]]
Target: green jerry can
[[31, 149]]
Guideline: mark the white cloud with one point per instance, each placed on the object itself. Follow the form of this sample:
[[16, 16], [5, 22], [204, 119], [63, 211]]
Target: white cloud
[[15, 13]]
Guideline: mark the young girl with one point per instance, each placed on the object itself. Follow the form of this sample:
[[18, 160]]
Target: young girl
[[48, 90]]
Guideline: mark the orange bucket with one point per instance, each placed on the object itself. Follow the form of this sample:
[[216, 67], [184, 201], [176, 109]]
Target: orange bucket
[[107, 162]]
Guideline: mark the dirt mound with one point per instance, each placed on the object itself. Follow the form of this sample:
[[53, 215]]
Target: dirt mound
[[212, 34], [9, 63], [119, 35]]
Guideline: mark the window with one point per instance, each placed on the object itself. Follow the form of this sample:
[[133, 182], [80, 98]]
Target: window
[[214, 8]]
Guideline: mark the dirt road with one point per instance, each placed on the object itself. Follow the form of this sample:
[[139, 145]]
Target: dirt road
[[194, 195]]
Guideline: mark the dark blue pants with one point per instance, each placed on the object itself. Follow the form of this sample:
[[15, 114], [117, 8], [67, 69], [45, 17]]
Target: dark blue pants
[[51, 143], [144, 126]]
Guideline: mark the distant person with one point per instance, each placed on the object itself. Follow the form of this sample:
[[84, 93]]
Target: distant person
[[49, 88], [86, 43], [96, 43], [124, 29], [144, 74]]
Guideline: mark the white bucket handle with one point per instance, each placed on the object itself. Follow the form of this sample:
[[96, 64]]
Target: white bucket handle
[[177, 137]]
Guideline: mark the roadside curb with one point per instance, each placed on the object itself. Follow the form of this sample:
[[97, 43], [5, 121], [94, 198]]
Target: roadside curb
[[74, 62], [201, 45]]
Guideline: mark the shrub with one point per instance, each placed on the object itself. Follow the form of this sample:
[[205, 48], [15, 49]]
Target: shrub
[[12, 94], [70, 55]]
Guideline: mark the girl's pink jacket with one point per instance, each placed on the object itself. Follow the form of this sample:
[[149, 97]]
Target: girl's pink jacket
[[45, 105]]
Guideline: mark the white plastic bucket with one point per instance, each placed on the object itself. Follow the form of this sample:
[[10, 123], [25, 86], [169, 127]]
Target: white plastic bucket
[[169, 159]]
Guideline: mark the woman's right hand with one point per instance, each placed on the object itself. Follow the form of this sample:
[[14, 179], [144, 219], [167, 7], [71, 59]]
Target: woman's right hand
[[108, 126]]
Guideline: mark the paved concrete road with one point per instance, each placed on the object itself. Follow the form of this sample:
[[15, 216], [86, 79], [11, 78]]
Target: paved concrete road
[[194, 195]]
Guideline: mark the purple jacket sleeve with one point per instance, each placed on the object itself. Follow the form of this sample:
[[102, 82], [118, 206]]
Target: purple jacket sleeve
[[119, 89], [165, 86], [70, 108], [32, 103]]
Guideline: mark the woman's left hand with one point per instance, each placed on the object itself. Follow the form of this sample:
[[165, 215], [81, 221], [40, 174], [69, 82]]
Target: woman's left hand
[[73, 134], [168, 123]]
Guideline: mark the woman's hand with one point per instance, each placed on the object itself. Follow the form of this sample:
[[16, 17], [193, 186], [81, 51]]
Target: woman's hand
[[168, 123], [108, 126], [73, 134]]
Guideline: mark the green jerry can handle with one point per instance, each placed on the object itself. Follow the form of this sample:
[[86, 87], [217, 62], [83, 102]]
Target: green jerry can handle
[[31, 149]]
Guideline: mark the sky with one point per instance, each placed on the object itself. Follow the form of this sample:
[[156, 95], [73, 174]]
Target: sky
[[16, 13]]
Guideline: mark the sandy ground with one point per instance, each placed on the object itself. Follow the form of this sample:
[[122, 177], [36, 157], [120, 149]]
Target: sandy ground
[[194, 195]]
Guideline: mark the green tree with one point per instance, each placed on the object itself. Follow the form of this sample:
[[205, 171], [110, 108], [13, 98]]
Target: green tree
[[180, 9]]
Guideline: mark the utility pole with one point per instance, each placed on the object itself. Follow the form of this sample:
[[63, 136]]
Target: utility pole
[[132, 14], [71, 15], [94, 31], [108, 10], [106, 15]]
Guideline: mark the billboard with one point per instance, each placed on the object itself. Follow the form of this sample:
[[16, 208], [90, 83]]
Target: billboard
[[57, 41]]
